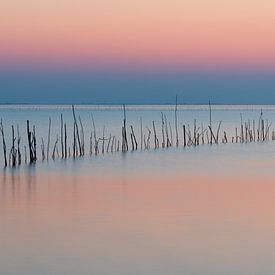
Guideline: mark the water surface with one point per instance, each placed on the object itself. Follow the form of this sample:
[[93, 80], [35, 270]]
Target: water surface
[[196, 210]]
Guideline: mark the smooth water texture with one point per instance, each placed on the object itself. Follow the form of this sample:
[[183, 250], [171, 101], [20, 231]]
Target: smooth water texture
[[196, 210]]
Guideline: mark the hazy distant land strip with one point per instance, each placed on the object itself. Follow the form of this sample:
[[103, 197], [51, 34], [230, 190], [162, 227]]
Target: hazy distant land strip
[[204, 107]]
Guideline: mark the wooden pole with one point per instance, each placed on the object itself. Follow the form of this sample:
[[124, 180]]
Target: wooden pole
[[4, 144], [49, 139]]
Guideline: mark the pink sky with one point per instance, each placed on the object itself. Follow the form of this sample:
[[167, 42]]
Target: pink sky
[[139, 33]]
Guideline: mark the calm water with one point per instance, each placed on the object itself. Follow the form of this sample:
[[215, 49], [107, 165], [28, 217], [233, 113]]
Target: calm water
[[203, 210], [110, 118]]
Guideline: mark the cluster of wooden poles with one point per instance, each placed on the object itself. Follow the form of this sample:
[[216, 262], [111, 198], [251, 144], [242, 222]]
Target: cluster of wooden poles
[[248, 131]]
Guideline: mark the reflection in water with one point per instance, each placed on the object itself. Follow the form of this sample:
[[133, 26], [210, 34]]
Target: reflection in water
[[15, 186], [154, 219]]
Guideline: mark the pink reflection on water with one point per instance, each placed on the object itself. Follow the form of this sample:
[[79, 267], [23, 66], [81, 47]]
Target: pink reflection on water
[[211, 222]]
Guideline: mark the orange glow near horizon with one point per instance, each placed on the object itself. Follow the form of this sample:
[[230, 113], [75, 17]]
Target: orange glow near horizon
[[191, 33]]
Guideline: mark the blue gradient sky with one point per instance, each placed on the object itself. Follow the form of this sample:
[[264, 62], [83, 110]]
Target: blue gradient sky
[[57, 87], [137, 51]]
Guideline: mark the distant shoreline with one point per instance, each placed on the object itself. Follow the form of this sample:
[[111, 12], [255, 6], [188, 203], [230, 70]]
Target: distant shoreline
[[136, 104], [140, 107]]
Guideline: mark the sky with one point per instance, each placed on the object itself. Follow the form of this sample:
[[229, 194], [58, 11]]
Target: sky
[[137, 51]]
